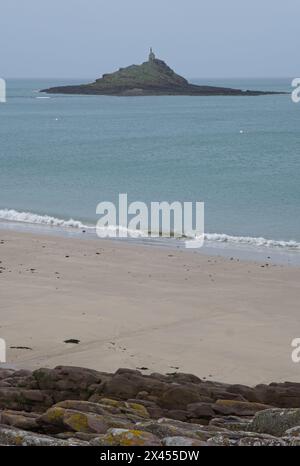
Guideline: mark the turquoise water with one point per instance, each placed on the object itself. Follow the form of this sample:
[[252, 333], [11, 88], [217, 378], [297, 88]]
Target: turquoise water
[[62, 155]]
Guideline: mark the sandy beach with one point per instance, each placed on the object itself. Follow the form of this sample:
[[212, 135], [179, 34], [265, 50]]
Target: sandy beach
[[146, 307]]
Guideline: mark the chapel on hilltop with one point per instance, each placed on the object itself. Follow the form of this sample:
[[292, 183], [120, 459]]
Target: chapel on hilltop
[[151, 55]]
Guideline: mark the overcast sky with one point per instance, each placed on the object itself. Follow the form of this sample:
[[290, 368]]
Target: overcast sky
[[198, 38]]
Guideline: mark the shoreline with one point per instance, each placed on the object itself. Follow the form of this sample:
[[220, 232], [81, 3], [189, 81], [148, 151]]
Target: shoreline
[[135, 306], [226, 248]]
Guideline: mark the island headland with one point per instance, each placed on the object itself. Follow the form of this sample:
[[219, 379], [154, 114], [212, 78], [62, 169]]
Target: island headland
[[153, 77]]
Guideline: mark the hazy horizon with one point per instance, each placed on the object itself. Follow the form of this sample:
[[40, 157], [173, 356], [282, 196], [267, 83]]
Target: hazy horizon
[[215, 39]]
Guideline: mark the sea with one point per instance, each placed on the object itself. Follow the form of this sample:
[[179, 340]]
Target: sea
[[60, 155]]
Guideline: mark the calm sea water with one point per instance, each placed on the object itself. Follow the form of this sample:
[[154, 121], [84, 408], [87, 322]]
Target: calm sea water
[[62, 155]]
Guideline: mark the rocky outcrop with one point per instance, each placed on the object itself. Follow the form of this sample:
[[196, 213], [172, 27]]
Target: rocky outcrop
[[153, 77], [277, 421], [16, 437], [77, 406]]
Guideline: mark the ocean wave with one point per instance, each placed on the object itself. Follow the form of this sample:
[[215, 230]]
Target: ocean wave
[[28, 217], [251, 241], [31, 218]]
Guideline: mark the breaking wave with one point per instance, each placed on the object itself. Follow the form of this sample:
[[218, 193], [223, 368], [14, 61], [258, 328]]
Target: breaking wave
[[31, 218], [28, 217], [251, 241]]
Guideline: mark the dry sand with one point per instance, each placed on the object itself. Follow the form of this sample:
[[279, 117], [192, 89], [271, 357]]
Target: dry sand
[[146, 307]]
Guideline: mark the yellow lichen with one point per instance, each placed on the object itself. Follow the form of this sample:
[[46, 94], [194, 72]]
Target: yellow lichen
[[132, 438], [55, 415], [141, 410], [126, 438], [77, 422], [18, 440]]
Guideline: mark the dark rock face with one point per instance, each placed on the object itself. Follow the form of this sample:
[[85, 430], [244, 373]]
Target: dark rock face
[[72, 405], [37, 390], [153, 77]]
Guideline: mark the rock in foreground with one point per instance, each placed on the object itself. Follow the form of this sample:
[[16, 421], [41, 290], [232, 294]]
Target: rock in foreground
[[76, 406]]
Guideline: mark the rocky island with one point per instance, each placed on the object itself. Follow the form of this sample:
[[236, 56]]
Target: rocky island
[[153, 77]]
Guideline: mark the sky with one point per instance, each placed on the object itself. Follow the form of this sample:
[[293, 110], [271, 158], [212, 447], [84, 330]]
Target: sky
[[198, 38]]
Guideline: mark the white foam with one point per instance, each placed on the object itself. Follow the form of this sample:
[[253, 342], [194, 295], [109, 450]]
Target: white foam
[[251, 241], [28, 217]]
